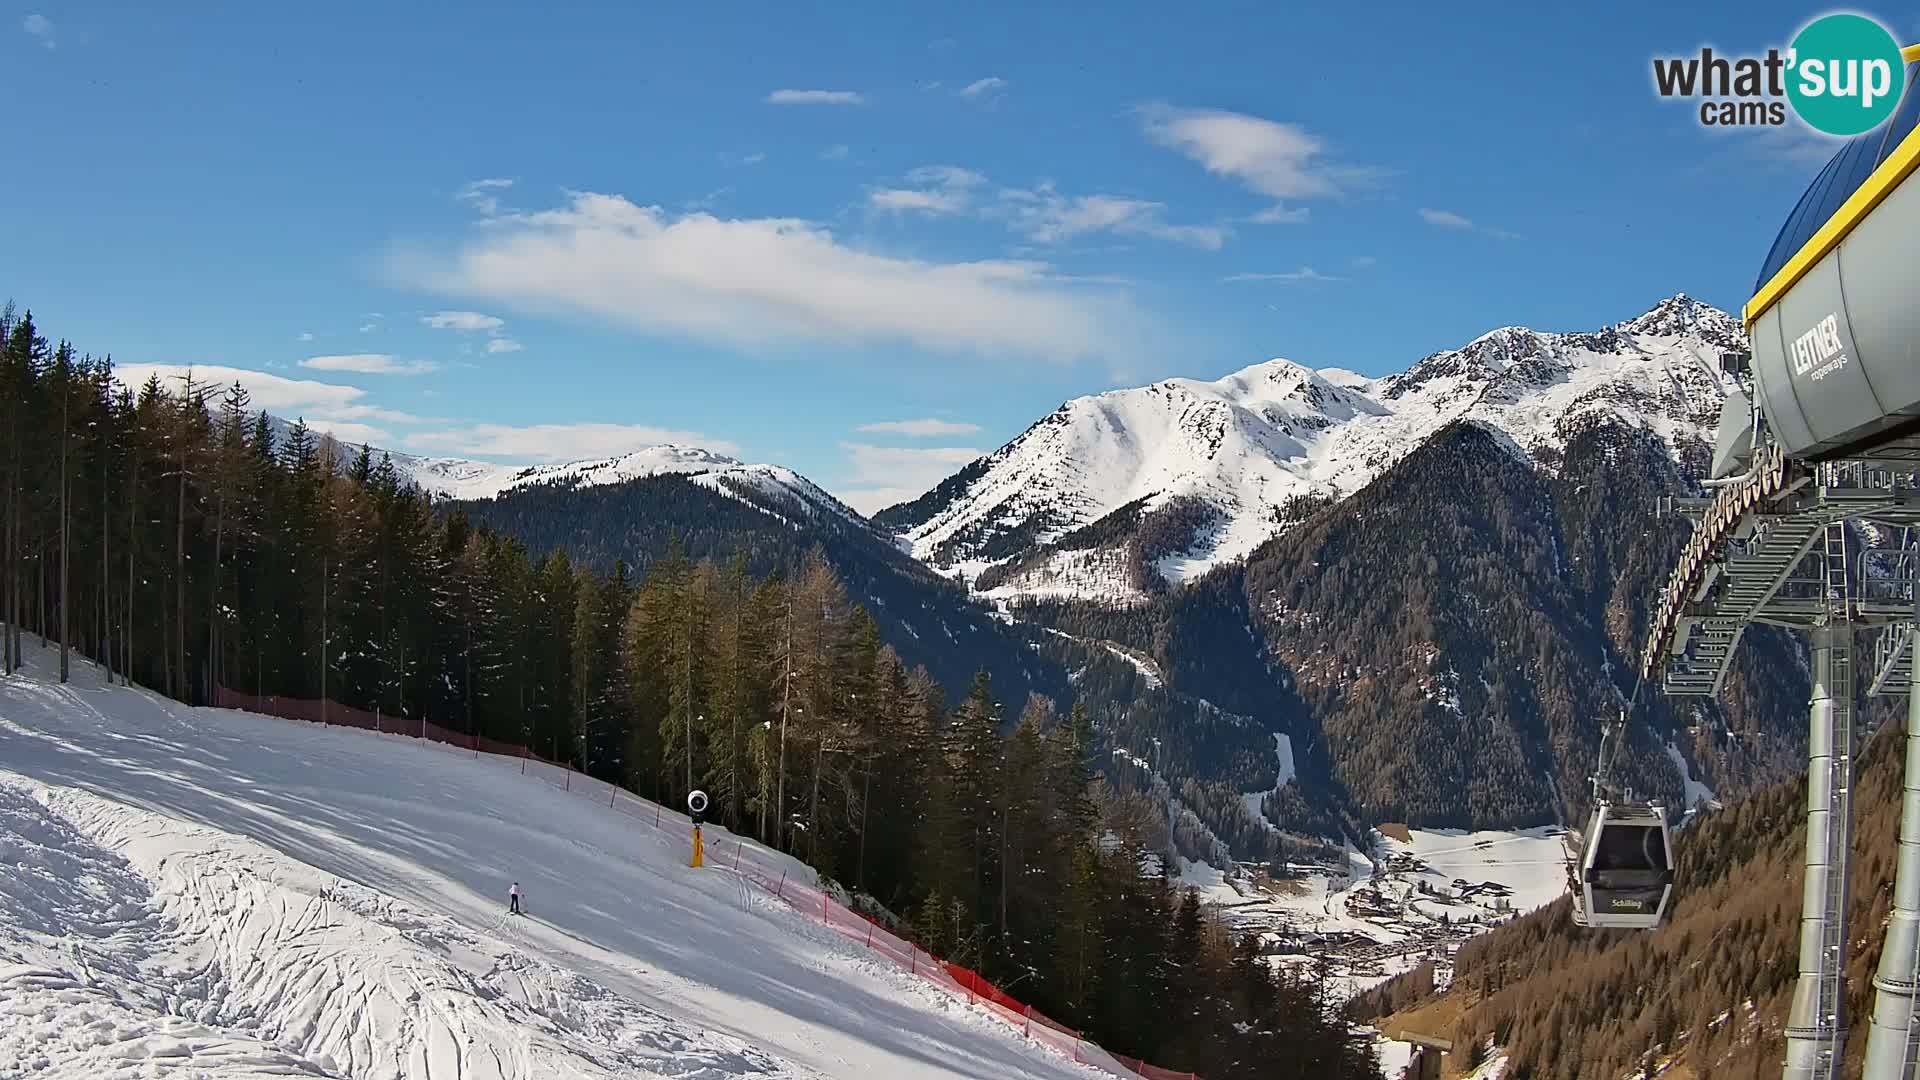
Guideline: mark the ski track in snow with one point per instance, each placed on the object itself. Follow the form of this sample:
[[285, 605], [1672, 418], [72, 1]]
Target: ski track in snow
[[205, 893], [1283, 750]]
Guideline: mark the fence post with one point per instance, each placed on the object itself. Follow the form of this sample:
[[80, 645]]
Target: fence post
[[569, 781], [913, 958], [1027, 1011], [523, 761], [736, 853], [823, 909], [657, 811], [612, 794], [781, 892]]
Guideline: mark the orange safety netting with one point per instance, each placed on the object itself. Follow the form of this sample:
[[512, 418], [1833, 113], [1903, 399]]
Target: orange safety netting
[[756, 864]]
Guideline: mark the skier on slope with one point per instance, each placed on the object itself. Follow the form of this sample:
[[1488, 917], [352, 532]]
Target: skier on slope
[[513, 899]]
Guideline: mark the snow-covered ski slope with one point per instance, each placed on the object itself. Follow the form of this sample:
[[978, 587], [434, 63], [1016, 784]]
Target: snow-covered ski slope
[[206, 893]]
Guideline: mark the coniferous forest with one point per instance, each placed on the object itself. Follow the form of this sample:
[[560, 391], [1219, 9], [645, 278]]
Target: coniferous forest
[[169, 534]]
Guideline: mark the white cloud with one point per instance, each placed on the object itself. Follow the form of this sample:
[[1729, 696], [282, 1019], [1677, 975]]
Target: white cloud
[[1444, 218], [1041, 213], [942, 44], [982, 87], [352, 434], [815, 97], [837, 152], [765, 281], [305, 335], [559, 442], [41, 27], [949, 176], [1278, 160], [919, 429], [1289, 277], [945, 189], [1281, 215], [881, 476], [325, 406], [474, 322], [275, 393], [1362, 262], [374, 412], [368, 328], [908, 200], [466, 321], [370, 364], [1447, 219], [483, 195], [1045, 215]]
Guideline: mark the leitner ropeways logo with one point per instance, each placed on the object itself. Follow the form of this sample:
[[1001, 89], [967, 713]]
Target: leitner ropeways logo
[[1843, 75]]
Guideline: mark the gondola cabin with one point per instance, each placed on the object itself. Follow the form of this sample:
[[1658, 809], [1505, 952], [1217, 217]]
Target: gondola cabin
[[1626, 868]]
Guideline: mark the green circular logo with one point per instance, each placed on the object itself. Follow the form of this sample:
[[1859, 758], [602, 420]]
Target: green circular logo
[[1845, 74]]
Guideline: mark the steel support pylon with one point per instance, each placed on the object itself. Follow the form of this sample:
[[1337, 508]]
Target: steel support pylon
[[1817, 1024], [1893, 1042]]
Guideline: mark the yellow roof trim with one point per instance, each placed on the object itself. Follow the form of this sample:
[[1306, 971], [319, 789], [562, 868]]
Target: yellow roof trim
[[1888, 176], [1910, 53]]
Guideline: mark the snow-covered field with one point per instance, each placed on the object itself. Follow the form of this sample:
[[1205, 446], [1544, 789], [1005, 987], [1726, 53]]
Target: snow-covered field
[[204, 893], [1531, 862]]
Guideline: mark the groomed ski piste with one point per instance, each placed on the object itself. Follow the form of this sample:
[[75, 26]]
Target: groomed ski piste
[[206, 893]]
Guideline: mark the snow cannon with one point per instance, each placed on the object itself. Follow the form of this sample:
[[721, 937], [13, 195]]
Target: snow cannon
[[697, 809], [1833, 323]]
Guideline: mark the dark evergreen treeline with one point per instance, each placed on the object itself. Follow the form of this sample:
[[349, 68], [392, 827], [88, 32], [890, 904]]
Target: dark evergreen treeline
[[167, 534]]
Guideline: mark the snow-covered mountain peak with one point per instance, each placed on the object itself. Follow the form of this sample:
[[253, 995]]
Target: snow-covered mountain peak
[[1680, 315], [661, 460], [1248, 445], [1278, 372], [773, 489], [1281, 381]]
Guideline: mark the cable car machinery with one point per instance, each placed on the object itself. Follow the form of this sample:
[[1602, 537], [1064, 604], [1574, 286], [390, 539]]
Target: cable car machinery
[[1813, 523]]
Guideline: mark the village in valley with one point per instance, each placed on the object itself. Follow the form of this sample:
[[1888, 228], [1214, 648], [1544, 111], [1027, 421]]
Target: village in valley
[[1412, 898]]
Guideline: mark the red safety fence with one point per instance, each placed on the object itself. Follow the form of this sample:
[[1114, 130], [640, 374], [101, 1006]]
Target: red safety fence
[[755, 863]]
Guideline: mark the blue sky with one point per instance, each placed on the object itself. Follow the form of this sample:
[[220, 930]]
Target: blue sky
[[868, 246]]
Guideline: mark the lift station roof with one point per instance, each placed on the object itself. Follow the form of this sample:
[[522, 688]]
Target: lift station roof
[[1835, 317]]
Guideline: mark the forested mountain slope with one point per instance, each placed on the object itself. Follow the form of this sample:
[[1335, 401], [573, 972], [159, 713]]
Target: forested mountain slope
[[1443, 646], [931, 621], [1710, 989]]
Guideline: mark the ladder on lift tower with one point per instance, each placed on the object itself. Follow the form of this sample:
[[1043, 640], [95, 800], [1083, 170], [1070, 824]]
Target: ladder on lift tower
[[1836, 577]]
